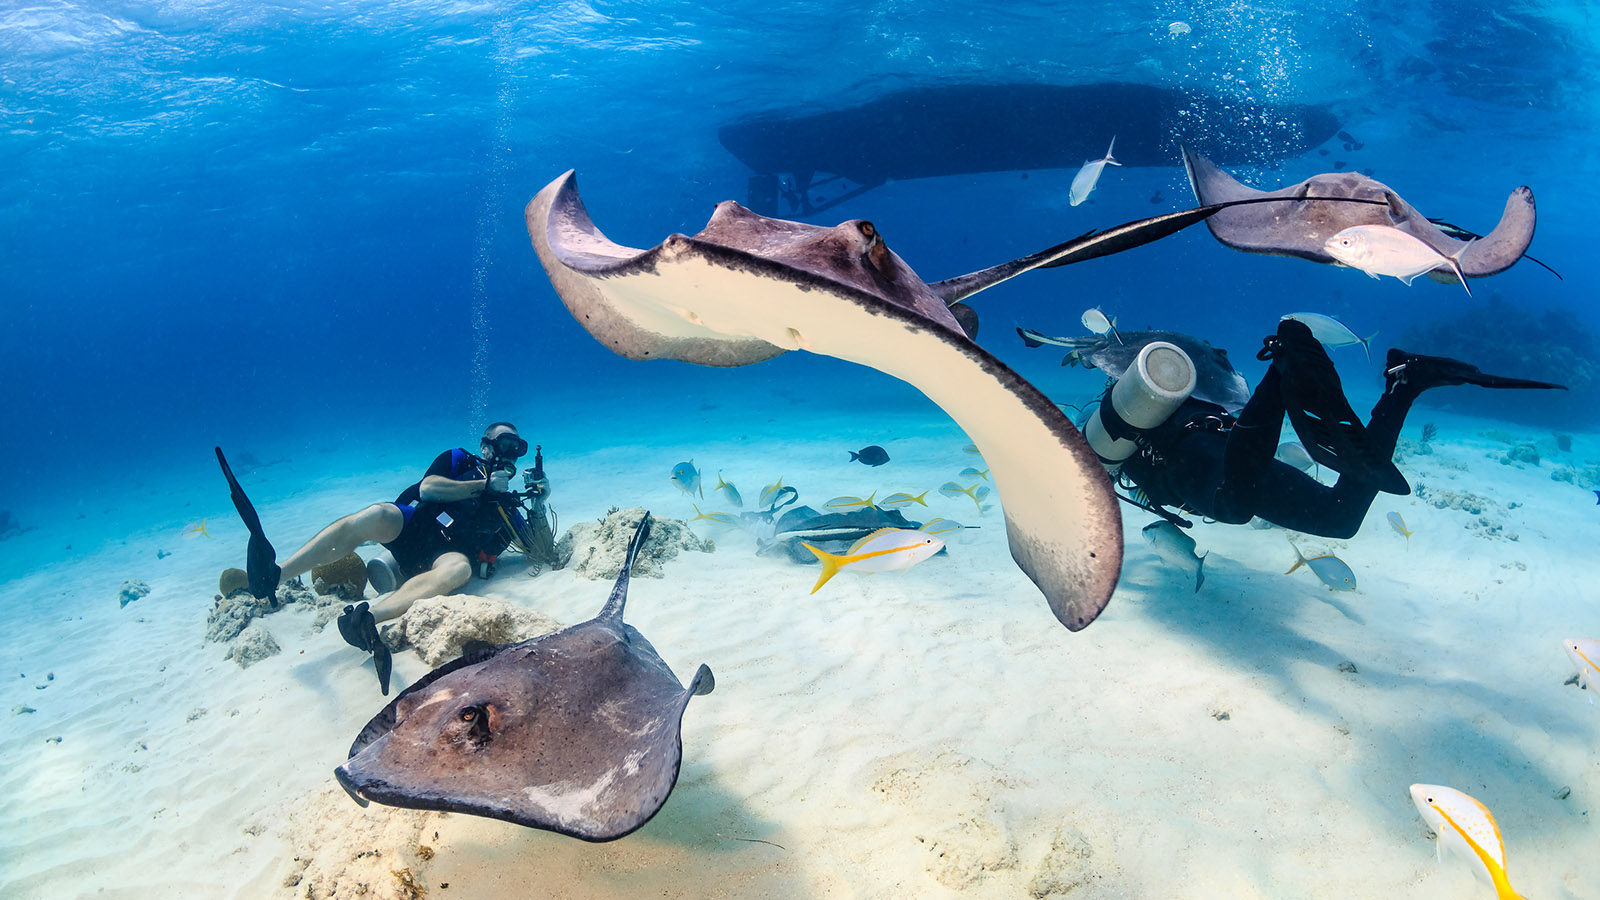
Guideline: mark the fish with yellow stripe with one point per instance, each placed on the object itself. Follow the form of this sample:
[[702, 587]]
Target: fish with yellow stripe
[[1466, 827], [1585, 656], [884, 550]]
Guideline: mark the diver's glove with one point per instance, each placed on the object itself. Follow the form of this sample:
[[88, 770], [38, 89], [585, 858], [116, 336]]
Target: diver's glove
[[499, 481]]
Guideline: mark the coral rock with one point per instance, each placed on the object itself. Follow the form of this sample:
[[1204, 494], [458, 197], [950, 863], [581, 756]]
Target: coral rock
[[598, 549], [132, 590], [438, 627], [233, 581], [252, 645], [346, 576]]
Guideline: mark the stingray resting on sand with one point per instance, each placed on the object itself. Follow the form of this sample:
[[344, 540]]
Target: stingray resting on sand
[[575, 732], [1303, 228], [748, 288]]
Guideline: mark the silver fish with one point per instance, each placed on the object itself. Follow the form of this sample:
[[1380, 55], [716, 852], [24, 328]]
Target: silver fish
[[1176, 549], [687, 478], [1084, 182], [1294, 454], [1331, 332], [1094, 319], [1386, 250], [1330, 569]]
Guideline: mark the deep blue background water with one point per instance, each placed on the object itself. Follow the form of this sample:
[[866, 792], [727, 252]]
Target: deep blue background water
[[286, 228]]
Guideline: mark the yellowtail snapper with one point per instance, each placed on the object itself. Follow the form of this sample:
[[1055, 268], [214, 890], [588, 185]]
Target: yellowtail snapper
[[902, 500], [728, 490], [884, 550]]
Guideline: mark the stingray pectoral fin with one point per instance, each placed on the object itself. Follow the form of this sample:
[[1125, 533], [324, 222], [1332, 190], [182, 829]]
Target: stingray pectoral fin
[[1212, 185], [350, 787], [578, 258], [703, 683], [1502, 247]]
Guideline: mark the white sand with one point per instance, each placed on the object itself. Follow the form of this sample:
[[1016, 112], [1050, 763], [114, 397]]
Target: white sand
[[929, 735]]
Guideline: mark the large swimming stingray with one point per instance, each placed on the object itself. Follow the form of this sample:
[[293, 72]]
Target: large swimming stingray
[[1216, 381], [575, 732], [1302, 228], [748, 288]]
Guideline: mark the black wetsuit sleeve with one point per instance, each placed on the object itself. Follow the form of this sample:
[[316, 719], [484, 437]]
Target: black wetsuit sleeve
[[448, 464]]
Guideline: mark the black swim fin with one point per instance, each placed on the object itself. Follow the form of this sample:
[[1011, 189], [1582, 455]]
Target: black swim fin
[[1419, 373], [261, 561], [1313, 397], [359, 629], [351, 630]]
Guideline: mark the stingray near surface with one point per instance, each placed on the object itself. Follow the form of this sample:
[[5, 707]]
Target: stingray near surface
[[748, 288], [1301, 228], [575, 732], [1216, 381]]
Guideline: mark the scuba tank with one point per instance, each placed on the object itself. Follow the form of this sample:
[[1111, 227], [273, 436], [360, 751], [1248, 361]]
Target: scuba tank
[[1158, 382]]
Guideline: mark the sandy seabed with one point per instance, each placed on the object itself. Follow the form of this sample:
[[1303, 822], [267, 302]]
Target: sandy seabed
[[930, 734]]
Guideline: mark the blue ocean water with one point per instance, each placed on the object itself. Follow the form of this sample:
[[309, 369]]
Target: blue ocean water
[[221, 221]]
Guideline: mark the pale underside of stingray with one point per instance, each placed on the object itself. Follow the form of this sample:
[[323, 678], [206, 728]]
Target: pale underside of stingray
[[1301, 229], [748, 288]]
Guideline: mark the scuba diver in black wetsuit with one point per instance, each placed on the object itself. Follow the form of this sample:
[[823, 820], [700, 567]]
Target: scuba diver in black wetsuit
[[456, 520], [1192, 455]]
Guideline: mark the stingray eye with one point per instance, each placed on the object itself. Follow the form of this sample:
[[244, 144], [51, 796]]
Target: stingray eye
[[471, 714], [867, 230]]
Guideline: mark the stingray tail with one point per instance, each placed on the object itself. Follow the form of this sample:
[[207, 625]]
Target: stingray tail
[[830, 565], [619, 591], [1455, 263], [1366, 344]]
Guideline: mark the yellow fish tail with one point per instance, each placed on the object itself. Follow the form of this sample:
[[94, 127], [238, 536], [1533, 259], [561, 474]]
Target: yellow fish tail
[[919, 498], [830, 565]]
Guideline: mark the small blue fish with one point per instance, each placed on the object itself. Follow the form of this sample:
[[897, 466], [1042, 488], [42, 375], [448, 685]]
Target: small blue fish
[[970, 472], [871, 455], [1329, 568], [728, 490], [973, 449], [902, 500], [942, 526], [687, 478]]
